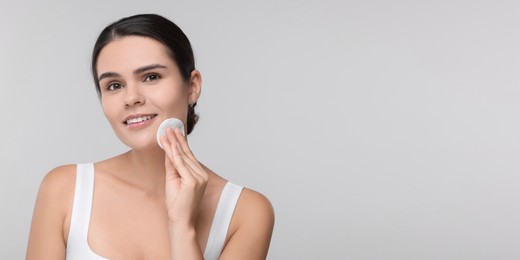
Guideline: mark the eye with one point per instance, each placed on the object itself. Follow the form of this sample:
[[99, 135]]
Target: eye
[[151, 77], [114, 86]]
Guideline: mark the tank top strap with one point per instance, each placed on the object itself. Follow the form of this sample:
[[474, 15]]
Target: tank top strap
[[220, 225], [77, 242]]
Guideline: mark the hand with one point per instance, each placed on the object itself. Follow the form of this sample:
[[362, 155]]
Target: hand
[[186, 179]]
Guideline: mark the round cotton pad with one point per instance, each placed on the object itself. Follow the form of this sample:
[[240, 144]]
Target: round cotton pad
[[170, 122]]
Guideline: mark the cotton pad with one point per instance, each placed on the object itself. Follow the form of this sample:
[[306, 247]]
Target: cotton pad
[[172, 123]]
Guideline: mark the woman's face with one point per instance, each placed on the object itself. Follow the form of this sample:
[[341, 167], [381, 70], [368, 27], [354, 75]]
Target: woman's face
[[141, 86]]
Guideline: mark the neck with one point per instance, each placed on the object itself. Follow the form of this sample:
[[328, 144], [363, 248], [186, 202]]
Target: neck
[[146, 161], [146, 167]]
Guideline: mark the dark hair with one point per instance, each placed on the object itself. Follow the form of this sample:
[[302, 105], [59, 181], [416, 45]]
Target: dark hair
[[158, 28]]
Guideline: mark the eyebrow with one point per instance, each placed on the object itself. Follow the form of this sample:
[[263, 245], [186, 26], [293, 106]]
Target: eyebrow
[[136, 72]]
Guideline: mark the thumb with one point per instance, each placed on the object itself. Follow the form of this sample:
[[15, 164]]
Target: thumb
[[170, 168]]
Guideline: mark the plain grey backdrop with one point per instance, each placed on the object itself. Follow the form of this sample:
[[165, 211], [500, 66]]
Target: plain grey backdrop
[[378, 129]]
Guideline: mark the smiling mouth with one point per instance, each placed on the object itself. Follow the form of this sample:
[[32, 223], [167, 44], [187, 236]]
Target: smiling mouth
[[139, 119]]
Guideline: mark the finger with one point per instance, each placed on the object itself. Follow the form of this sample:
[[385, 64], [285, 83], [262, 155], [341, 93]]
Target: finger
[[163, 141], [188, 156], [177, 159], [197, 171], [170, 168], [166, 143], [168, 164], [184, 144], [184, 168]]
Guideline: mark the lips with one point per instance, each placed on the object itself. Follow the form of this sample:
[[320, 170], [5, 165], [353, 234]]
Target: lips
[[138, 118]]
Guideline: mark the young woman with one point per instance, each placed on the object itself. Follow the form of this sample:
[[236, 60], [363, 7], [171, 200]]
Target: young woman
[[147, 203]]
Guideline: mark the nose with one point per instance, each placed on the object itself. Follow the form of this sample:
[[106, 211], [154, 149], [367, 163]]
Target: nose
[[133, 96]]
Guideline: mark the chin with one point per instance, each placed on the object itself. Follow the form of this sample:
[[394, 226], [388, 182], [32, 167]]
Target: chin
[[146, 144]]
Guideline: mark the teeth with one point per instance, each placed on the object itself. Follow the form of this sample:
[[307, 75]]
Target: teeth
[[138, 119]]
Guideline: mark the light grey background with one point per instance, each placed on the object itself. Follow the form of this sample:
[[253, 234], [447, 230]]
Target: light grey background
[[378, 129]]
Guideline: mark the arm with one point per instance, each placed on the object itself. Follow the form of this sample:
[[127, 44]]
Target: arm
[[186, 182], [184, 244], [253, 227], [46, 239]]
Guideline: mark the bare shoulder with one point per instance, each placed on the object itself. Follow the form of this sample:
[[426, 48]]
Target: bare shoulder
[[51, 211], [251, 227], [57, 191], [253, 207], [60, 174], [59, 181]]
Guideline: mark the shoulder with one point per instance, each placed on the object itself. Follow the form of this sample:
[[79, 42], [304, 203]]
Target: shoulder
[[58, 180], [57, 189], [60, 174], [56, 194], [55, 197], [253, 207], [251, 227]]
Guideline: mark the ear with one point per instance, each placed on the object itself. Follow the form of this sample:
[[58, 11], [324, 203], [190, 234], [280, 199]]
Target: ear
[[195, 87]]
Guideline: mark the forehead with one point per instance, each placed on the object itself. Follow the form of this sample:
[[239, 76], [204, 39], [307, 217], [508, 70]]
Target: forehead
[[130, 52]]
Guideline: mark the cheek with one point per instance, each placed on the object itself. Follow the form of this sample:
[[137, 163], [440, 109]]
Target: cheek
[[174, 106], [171, 98], [108, 109]]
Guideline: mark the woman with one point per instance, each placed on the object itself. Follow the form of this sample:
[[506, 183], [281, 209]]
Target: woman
[[147, 203]]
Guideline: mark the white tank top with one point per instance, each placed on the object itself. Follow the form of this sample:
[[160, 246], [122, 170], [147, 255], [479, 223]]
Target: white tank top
[[77, 242]]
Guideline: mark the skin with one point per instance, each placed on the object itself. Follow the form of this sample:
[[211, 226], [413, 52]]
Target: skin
[[148, 203]]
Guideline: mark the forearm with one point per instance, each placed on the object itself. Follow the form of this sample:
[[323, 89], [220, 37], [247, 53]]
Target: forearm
[[184, 243]]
